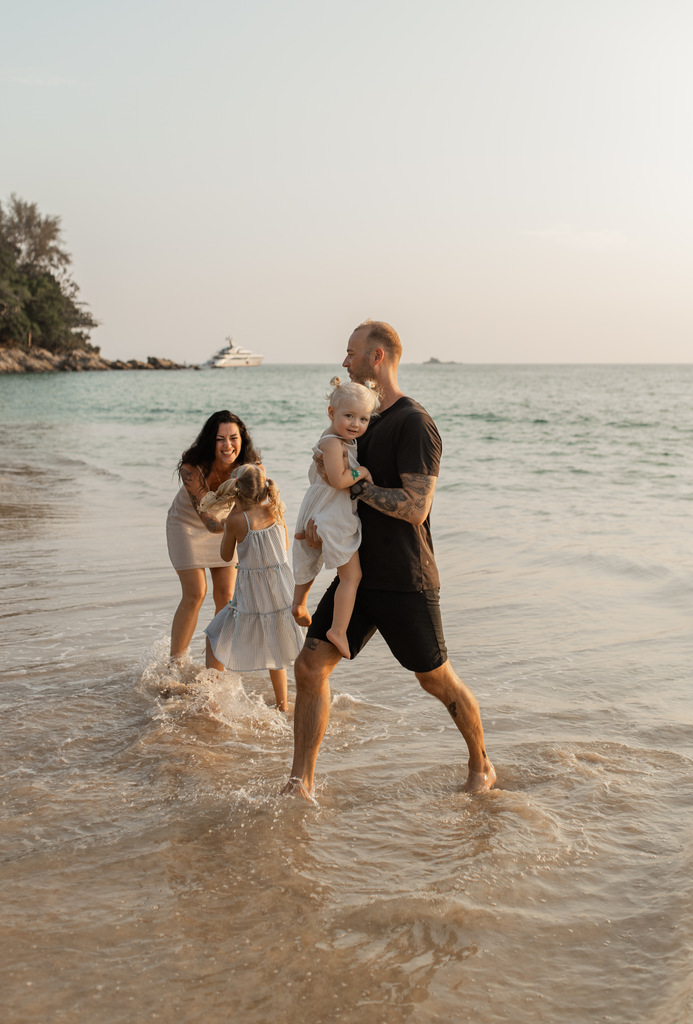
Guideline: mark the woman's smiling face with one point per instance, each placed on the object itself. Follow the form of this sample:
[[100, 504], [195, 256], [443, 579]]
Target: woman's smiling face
[[228, 446]]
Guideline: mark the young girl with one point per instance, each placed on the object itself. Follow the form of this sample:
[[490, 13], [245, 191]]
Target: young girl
[[256, 629], [333, 470]]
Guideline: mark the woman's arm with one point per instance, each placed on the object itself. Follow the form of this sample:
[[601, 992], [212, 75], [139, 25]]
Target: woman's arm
[[411, 502], [194, 483], [337, 475]]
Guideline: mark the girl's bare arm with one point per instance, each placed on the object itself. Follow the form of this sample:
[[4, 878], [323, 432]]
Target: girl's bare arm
[[333, 461], [232, 526]]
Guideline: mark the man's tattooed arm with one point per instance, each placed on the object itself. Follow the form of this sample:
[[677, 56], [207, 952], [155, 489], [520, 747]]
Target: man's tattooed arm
[[411, 502], [195, 485]]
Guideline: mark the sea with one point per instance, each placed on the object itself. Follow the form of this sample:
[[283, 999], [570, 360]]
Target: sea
[[150, 869]]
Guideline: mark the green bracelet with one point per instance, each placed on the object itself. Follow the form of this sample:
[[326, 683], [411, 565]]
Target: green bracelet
[[355, 474]]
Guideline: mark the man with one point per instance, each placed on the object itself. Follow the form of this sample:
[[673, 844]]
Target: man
[[398, 594]]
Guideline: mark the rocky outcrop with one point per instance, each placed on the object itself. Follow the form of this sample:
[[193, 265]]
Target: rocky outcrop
[[39, 360], [153, 363]]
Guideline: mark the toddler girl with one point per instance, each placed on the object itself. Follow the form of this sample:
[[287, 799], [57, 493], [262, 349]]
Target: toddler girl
[[333, 470], [256, 629]]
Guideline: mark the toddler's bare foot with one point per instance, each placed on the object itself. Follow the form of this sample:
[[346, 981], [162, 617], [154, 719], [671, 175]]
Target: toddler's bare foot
[[301, 614], [339, 641]]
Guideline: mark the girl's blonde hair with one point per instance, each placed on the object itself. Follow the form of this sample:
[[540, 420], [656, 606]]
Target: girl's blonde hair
[[367, 394], [249, 485]]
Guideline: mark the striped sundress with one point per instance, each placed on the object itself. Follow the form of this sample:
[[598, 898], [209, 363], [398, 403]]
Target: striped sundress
[[256, 630]]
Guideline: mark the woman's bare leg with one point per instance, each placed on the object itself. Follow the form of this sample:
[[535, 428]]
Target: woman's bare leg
[[223, 583], [194, 586], [344, 598]]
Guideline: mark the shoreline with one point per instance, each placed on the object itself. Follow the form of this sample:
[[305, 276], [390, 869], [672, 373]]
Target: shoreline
[[40, 360]]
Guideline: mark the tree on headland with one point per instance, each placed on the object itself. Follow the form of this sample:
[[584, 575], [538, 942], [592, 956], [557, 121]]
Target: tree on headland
[[39, 302]]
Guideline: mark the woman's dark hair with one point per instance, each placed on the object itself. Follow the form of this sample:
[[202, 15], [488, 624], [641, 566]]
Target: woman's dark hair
[[203, 449]]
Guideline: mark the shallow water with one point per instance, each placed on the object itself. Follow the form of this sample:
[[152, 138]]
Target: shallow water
[[149, 869]]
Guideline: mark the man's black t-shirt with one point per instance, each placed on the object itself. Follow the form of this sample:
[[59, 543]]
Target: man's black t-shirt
[[394, 554]]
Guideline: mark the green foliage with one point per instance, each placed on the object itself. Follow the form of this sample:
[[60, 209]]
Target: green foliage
[[39, 302]]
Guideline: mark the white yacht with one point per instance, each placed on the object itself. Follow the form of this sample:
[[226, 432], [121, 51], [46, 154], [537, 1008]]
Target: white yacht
[[234, 355]]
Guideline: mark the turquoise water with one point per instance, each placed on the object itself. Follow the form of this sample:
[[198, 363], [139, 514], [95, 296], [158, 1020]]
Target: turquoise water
[[150, 870]]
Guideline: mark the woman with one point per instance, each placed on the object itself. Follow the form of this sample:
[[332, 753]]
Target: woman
[[194, 537]]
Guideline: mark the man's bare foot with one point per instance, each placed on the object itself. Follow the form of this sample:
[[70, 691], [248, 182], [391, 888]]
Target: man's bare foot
[[339, 641], [301, 614], [296, 787], [480, 782]]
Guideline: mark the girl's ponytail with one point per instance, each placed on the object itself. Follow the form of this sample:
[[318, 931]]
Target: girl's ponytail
[[223, 498], [274, 502]]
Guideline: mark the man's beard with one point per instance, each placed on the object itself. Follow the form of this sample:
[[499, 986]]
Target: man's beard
[[360, 375]]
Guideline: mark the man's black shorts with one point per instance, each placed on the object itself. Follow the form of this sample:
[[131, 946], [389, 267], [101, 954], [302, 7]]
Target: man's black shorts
[[408, 621]]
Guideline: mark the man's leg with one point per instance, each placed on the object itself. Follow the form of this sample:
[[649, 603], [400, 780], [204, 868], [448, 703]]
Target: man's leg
[[444, 684], [312, 711]]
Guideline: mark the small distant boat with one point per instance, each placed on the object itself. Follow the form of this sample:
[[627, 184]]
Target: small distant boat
[[234, 355]]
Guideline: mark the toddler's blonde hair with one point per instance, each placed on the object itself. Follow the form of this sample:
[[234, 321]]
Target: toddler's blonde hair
[[367, 394]]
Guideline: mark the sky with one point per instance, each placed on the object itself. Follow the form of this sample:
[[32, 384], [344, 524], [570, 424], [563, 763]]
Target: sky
[[504, 181]]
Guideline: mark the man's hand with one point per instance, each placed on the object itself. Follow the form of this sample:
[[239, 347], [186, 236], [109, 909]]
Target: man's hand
[[310, 536], [411, 502]]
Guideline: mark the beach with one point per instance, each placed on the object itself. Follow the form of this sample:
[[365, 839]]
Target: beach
[[150, 869]]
